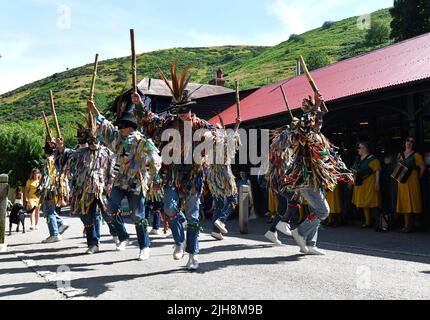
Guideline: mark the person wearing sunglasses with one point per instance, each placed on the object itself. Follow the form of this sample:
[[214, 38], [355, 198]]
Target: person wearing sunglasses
[[409, 197], [367, 190]]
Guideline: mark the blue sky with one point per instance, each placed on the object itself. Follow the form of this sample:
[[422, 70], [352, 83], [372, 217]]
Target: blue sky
[[42, 37]]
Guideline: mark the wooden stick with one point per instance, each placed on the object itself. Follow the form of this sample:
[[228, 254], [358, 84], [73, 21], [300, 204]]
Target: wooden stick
[[237, 99], [286, 101], [310, 79], [93, 81], [54, 115], [48, 129], [133, 61]]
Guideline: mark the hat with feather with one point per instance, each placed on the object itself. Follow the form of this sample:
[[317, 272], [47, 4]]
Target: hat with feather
[[86, 133], [181, 102]]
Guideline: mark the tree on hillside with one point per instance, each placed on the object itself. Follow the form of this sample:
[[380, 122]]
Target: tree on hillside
[[21, 152], [316, 60], [410, 18], [378, 33]]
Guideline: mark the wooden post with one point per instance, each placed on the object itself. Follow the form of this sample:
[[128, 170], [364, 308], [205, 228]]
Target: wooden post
[[237, 99], [4, 190], [133, 61], [311, 80], [93, 81], [244, 209], [286, 102], [48, 130], [54, 115]]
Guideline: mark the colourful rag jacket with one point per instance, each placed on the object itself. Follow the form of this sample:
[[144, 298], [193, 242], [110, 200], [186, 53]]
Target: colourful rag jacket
[[91, 174], [54, 185], [302, 157], [187, 176], [47, 188], [220, 178], [138, 158]]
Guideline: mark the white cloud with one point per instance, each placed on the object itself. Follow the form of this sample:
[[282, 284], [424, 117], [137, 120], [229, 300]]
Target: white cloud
[[298, 16]]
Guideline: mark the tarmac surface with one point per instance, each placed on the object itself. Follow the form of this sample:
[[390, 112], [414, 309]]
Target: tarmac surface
[[359, 265]]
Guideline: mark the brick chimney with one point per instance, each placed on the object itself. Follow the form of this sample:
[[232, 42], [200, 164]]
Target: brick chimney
[[219, 79]]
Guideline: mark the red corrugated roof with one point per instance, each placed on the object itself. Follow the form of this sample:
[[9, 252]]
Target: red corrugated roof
[[398, 64]]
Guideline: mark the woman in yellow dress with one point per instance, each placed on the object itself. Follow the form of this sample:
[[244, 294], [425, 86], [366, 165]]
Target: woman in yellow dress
[[409, 197], [367, 193], [333, 199], [31, 199]]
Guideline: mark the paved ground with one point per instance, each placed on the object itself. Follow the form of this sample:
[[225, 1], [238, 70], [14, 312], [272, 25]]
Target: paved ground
[[361, 264]]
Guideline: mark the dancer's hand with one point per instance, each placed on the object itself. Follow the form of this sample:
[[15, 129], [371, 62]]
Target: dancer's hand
[[136, 99], [318, 100], [60, 144], [92, 107], [238, 123]]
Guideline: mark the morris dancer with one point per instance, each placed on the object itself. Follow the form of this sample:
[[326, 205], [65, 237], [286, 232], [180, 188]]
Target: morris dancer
[[309, 165], [138, 161], [184, 178], [224, 204], [91, 170], [48, 190]]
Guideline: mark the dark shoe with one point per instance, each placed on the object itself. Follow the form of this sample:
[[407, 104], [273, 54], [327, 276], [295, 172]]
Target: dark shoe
[[366, 226]]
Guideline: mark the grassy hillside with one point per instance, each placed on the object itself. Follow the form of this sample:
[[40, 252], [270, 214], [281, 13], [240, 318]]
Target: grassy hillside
[[341, 40], [71, 87]]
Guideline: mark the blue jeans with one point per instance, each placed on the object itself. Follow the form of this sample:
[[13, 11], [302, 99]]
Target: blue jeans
[[223, 209], [52, 218], [92, 221], [156, 223], [177, 218], [320, 211], [137, 208]]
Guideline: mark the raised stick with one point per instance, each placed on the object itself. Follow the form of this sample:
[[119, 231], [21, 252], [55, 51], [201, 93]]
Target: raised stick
[[54, 115], [310, 79], [93, 81], [48, 130], [286, 101], [133, 61], [237, 99]]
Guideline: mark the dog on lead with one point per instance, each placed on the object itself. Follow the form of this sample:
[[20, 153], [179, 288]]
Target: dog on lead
[[17, 216]]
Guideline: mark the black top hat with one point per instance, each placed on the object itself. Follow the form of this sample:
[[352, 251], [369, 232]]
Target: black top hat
[[124, 97], [126, 120]]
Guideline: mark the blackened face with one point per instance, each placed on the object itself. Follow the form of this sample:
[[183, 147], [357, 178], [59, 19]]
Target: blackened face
[[185, 116], [92, 141], [49, 149]]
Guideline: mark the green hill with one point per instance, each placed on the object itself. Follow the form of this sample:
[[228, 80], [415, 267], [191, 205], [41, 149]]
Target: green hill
[[71, 87]]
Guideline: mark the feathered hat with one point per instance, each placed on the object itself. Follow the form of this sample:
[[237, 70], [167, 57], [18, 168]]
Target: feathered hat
[[181, 102], [86, 133]]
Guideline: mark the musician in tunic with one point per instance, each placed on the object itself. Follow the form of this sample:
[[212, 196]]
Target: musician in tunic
[[409, 197], [366, 194]]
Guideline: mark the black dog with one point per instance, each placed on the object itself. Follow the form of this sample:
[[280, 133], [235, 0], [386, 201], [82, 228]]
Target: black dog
[[17, 216]]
